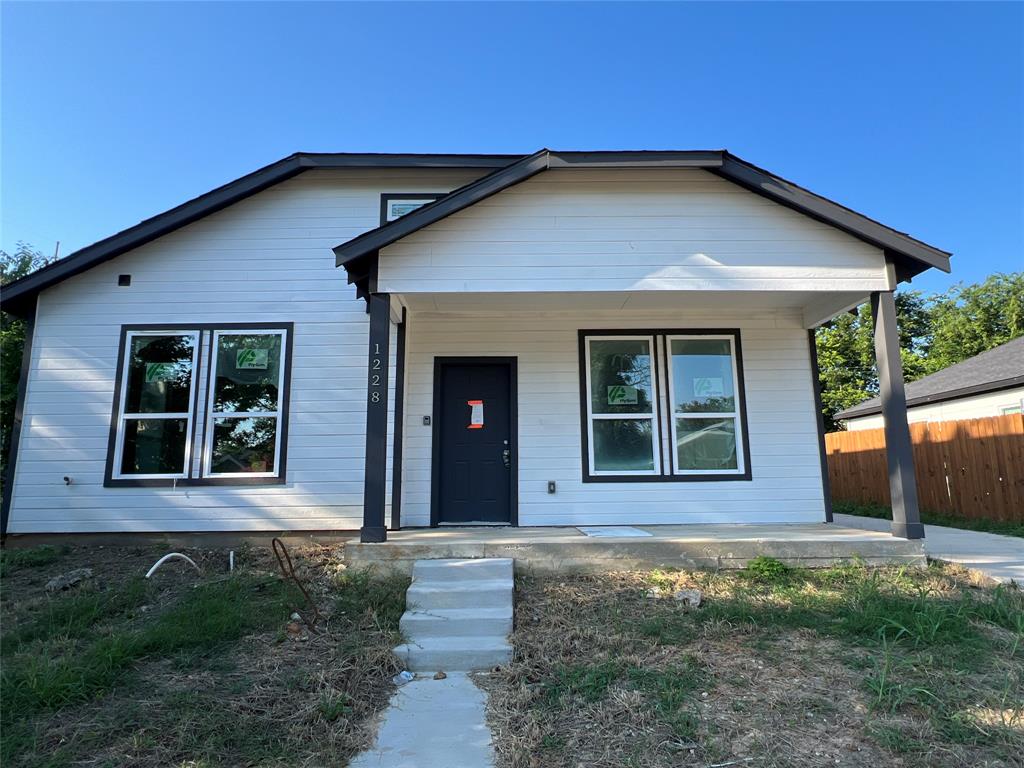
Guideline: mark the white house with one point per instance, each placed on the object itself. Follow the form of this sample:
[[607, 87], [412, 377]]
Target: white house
[[988, 384], [352, 341]]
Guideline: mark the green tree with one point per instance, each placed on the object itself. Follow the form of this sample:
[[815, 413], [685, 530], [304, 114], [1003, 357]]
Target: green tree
[[969, 320], [935, 332], [846, 353], [24, 260]]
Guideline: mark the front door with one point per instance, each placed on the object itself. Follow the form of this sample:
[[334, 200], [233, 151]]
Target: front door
[[474, 455]]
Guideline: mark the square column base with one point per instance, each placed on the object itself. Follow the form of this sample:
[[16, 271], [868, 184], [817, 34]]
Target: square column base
[[907, 530], [373, 535]]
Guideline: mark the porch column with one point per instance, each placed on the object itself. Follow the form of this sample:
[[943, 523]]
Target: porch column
[[375, 479], [906, 520]]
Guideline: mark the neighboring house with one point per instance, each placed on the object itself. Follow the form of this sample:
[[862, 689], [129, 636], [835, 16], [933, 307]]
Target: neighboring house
[[989, 384], [561, 338]]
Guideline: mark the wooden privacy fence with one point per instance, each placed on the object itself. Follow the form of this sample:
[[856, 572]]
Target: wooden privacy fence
[[972, 468]]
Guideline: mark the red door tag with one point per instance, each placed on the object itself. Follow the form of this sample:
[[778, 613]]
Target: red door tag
[[476, 414]]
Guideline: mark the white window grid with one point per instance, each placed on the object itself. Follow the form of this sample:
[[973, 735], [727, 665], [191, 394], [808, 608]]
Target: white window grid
[[717, 416], [651, 416], [212, 415], [124, 417]]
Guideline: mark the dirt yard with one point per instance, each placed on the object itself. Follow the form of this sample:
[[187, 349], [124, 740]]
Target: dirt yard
[[842, 667], [188, 669]]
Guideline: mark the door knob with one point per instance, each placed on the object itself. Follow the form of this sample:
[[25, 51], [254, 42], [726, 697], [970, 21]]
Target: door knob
[[506, 455]]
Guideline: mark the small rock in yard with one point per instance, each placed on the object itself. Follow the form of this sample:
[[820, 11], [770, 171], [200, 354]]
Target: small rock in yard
[[295, 617], [440, 675], [653, 592], [294, 629], [68, 580], [691, 598]]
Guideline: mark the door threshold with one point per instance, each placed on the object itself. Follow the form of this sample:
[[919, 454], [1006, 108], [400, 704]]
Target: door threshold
[[475, 524]]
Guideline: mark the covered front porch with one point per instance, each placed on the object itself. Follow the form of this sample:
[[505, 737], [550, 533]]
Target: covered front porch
[[771, 490], [618, 548]]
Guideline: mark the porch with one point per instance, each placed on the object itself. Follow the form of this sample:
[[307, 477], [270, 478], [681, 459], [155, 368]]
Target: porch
[[548, 549]]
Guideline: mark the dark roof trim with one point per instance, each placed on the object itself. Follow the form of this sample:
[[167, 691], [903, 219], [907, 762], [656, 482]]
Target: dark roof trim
[[459, 199], [370, 242], [638, 159], [940, 397], [911, 256], [19, 296], [821, 208]]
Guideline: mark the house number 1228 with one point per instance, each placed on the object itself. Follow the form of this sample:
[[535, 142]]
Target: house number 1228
[[375, 365]]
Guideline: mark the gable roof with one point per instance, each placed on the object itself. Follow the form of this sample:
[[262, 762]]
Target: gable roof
[[999, 368], [19, 296], [911, 256]]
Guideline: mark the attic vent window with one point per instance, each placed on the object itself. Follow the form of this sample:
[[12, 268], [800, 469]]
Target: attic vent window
[[396, 205]]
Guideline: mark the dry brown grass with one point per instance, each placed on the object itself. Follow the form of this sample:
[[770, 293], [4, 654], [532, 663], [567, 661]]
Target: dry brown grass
[[762, 675]]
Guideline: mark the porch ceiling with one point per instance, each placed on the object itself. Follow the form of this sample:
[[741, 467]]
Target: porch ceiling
[[814, 307]]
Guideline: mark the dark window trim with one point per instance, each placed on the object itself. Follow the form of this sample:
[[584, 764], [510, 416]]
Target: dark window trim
[[512, 363], [387, 197], [671, 477], [109, 481]]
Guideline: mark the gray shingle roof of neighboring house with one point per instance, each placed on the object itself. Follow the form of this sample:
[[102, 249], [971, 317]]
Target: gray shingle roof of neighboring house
[[998, 368]]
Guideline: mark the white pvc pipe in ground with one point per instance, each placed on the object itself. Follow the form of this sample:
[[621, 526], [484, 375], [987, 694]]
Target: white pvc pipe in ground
[[167, 557]]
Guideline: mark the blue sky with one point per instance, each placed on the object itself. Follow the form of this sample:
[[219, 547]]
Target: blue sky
[[911, 113]]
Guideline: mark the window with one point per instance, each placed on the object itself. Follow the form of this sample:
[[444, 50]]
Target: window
[[621, 406], [242, 431], [165, 433], [641, 388], [394, 206], [156, 408], [1010, 410], [705, 418]]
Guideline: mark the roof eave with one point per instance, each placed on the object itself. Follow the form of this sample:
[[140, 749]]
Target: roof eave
[[939, 397], [19, 296]]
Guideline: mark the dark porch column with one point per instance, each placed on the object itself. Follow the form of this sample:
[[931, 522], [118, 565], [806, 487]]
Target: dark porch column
[[906, 520], [375, 480]]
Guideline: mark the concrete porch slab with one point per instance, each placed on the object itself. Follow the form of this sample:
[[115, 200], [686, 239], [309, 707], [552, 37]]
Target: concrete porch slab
[[669, 546]]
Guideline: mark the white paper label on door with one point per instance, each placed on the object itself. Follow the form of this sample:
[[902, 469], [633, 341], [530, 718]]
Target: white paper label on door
[[476, 414]]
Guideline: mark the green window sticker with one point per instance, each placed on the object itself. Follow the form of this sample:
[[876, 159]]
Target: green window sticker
[[159, 372], [622, 394], [252, 359]]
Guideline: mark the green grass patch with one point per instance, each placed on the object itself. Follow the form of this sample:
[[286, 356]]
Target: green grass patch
[[33, 557], [82, 657], [1006, 528]]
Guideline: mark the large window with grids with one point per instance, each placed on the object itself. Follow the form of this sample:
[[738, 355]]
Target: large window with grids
[[201, 404], [663, 405]]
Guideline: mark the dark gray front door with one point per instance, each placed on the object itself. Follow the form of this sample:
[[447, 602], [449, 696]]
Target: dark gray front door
[[474, 451]]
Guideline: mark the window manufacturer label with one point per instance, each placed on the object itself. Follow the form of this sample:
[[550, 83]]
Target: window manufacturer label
[[622, 394], [252, 359]]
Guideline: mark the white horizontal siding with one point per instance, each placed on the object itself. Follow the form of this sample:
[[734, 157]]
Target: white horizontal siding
[[786, 484], [266, 259], [627, 230]]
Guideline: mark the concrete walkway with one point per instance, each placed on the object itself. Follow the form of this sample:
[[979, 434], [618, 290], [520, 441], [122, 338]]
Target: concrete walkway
[[998, 557], [433, 724]]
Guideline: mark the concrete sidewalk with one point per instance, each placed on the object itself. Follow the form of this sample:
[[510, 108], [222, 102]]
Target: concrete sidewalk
[[998, 557]]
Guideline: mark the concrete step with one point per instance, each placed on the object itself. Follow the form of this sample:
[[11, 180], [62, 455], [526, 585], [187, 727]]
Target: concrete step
[[441, 622], [489, 593], [455, 653], [488, 569]]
